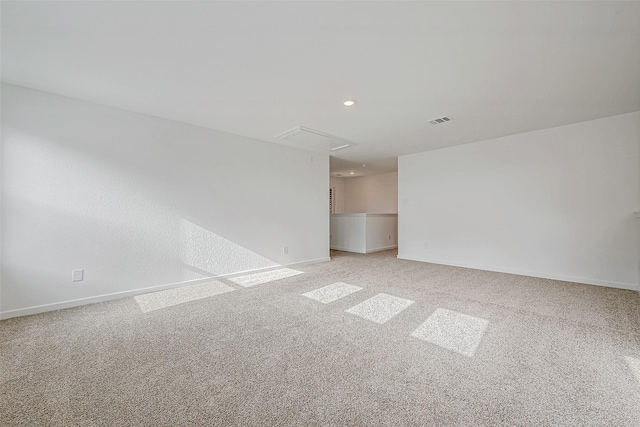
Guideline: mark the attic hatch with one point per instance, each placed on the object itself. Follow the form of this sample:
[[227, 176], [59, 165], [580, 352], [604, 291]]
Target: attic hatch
[[314, 139]]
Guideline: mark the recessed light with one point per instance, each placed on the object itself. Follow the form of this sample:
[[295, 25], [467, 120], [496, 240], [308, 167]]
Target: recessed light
[[352, 173], [364, 165], [349, 102]]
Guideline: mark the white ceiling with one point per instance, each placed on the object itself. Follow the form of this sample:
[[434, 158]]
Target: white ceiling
[[348, 168], [260, 68]]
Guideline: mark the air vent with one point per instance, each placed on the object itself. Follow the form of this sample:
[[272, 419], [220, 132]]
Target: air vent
[[314, 139], [439, 120]]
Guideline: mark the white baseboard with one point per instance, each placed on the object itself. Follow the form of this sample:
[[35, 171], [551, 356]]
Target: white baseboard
[[386, 248], [133, 292], [574, 279], [366, 251], [339, 248]]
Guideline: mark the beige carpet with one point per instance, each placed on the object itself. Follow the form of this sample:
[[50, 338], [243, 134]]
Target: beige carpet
[[373, 341]]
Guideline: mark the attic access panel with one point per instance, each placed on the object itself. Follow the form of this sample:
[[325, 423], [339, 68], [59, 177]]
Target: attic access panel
[[314, 139]]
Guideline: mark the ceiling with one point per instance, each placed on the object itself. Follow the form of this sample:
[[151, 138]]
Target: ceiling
[[348, 168], [261, 68]]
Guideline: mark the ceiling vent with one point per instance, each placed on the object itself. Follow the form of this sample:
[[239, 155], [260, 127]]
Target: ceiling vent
[[314, 139], [439, 120]]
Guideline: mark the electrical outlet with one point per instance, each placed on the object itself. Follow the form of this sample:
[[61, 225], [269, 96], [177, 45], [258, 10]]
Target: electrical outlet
[[285, 250], [77, 275]]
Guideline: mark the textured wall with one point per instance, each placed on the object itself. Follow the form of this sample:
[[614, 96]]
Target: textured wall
[[137, 201], [552, 203]]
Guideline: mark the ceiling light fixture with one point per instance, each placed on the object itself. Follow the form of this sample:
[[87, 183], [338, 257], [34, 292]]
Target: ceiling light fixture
[[364, 165], [352, 173], [349, 102]]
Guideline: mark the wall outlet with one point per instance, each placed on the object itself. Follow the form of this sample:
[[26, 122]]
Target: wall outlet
[[285, 250], [77, 275]]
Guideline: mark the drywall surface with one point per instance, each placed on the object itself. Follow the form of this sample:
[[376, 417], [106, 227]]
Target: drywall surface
[[137, 202], [349, 232], [338, 185], [637, 215], [382, 232], [554, 203], [363, 232], [0, 203], [372, 193]]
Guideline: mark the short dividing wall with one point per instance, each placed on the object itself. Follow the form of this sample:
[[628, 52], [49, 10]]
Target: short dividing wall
[[364, 232]]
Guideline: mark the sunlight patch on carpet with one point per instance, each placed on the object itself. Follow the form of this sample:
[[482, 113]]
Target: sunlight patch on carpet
[[380, 308], [332, 293], [172, 297], [634, 364], [453, 330], [264, 277]]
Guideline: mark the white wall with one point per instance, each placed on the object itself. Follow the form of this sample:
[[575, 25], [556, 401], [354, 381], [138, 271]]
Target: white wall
[[637, 215], [372, 193], [553, 203], [338, 184], [349, 232], [138, 201], [382, 232], [363, 232], [1, 174]]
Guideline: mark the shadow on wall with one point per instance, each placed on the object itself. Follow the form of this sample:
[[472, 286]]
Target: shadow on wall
[[107, 162], [116, 255], [211, 254], [138, 202]]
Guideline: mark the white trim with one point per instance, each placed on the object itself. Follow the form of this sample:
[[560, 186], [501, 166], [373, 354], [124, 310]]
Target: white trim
[[335, 248], [381, 249], [582, 280], [360, 215], [133, 292]]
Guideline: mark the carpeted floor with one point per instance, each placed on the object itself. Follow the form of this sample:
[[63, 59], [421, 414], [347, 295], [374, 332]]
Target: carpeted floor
[[393, 342]]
